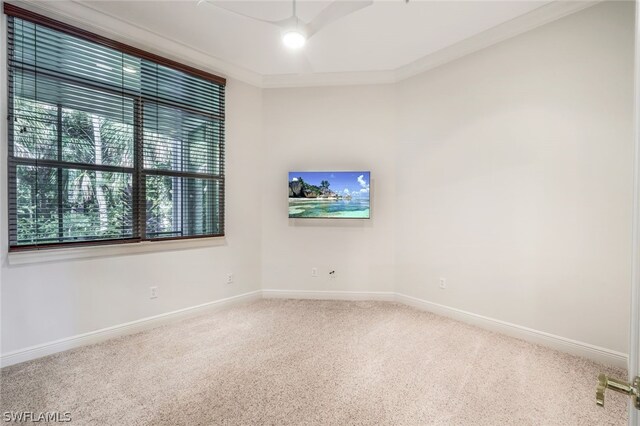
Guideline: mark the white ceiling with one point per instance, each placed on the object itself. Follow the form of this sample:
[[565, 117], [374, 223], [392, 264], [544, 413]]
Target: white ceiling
[[381, 37]]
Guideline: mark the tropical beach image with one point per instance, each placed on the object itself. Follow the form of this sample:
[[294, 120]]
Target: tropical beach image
[[329, 195]]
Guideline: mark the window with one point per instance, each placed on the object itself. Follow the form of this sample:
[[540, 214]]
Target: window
[[108, 143]]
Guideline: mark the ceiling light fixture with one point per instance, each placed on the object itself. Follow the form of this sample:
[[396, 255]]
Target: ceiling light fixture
[[294, 39], [295, 32]]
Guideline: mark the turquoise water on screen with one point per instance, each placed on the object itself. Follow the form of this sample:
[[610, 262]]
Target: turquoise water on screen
[[313, 207]]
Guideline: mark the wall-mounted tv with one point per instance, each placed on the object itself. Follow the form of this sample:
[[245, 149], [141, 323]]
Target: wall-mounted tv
[[329, 195]]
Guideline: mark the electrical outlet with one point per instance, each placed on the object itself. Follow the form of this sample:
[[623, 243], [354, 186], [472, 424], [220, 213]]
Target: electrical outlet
[[229, 278], [314, 272], [153, 292], [332, 274], [443, 283]]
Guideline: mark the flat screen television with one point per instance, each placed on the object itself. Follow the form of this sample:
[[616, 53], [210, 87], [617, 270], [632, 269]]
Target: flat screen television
[[329, 195]]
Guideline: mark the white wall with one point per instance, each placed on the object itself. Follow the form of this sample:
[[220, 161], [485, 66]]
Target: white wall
[[47, 301], [514, 179], [339, 128], [508, 172]]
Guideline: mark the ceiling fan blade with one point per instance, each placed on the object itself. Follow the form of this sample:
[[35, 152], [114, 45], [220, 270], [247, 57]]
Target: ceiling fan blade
[[298, 62], [305, 64], [335, 11], [220, 5]]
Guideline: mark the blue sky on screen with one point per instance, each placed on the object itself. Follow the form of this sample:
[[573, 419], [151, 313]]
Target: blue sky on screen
[[354, 183]]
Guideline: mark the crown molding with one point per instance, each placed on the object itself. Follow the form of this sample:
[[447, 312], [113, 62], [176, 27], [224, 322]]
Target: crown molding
[[328, 79], [86, 17], [538, 17], [543, 15]]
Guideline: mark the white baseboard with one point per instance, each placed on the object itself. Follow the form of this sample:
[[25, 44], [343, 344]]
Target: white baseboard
[[101, 335], [586, 350], [386, 296], [574, 347]]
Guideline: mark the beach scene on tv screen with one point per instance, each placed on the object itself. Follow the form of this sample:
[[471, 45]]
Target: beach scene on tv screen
[[329, 195]]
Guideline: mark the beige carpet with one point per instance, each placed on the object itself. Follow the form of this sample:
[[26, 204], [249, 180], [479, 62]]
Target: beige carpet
[[277, 362]]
